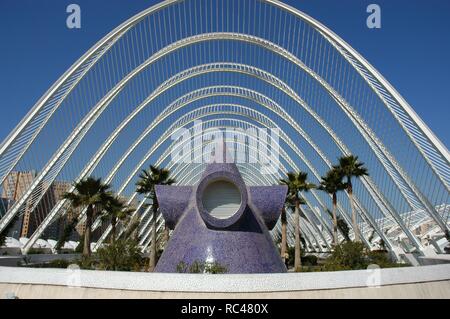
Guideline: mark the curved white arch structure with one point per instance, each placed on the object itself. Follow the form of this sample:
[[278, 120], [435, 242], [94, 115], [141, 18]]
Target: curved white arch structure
[[242, 63]]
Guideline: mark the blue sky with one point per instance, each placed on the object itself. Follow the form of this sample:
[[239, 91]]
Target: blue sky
[[411, 49]]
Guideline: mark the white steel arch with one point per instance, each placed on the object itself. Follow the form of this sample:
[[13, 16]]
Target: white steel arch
[[238, 92], [72, 142], [397, 189], [188, 178], [283, 136]]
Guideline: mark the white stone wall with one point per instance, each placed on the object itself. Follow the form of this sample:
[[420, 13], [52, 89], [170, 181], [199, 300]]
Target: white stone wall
[[410, 282]]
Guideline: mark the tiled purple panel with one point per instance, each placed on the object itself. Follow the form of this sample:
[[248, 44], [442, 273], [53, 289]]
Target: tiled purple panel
[[173, 201], [268, 202]]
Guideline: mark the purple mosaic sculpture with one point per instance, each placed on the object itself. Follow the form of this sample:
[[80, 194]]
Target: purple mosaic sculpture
[[241, 242]]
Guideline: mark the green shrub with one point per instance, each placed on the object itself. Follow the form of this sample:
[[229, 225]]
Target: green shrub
[[215, 268], [58, 263], [79, 248], [35, 251], [311, 269], [354, 256], [347, 256], [382, 259], [123, 255], [310, 260], [198, 267], [87, 263], [182, 267]]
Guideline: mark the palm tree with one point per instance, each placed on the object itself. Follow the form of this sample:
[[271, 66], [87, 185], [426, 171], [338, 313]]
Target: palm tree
[[283, 234], [297, 183], [131, 229], [332, 184], [148, 179], [68, 230], [288, 203], [92, 194], [350, 167], [116, 210], [343, 227]]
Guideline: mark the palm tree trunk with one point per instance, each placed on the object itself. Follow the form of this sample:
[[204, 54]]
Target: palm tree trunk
[[87, 232], [335, 225], [297, 260], [153, 241], [352, 206], [283, 234], [113, 230], [166, 235], [113, 239]]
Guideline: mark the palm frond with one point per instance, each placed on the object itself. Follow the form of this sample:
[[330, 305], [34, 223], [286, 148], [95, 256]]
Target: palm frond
[[297, 183]]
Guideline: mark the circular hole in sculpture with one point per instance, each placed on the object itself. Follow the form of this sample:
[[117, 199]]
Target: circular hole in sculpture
[[221, 199]]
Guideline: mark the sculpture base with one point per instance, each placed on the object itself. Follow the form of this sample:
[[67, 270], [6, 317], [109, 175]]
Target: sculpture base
[[246, 247]]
